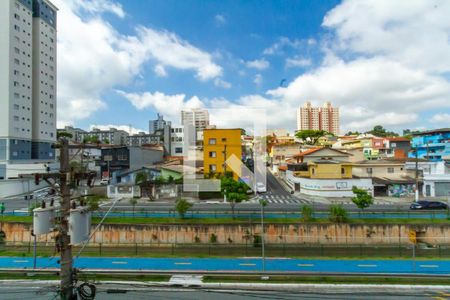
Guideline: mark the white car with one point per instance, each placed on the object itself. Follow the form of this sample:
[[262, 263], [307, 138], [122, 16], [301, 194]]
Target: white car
[[260, 187], [104, 181]]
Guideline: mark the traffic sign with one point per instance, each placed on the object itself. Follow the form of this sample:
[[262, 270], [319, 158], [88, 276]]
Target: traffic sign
[[413, 236]]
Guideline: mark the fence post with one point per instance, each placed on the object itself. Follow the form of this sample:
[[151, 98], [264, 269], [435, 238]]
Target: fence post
[[100, 249], [136, 249]]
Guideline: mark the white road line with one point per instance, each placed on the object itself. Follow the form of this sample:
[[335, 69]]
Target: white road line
[[305, 265], [367, 266], [20, 261], [119, 262], [429, 266], [247, 264], [183, 263]]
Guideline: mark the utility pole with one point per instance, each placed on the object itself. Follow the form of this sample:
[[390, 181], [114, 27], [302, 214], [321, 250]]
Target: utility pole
[[66, 275], [416, 195]]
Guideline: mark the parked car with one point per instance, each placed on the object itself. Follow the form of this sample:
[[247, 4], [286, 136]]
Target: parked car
[[104, 181], [424, 204], [260, 187]]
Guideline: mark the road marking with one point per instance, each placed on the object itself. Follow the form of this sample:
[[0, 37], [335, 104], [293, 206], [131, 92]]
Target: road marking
[[119, 262], [367, 266], [183, 263], [20, 261], [247, 264], [305, 265], [429, 266]]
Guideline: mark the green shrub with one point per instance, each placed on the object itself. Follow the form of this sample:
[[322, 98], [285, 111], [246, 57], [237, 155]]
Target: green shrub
[[213, 238], [257, 241], [338, 214], [307, 213]]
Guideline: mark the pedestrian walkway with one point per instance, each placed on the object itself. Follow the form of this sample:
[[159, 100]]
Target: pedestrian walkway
[[269, 197]]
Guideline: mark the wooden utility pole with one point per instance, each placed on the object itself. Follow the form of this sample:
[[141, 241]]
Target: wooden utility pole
[[66, 274]]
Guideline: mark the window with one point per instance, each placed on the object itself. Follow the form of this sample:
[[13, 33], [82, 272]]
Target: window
[[16, 95], [178, 150], [212, 168], [16, 61], [16, 72], [342, 171], [390, 170], [212, 154], [16, 118], [16, 106], [212, 141], [16, 83], [122, 157], [313, 171], [369, 170], [16, 16], [224, 140], [16, 27], [16, 50]]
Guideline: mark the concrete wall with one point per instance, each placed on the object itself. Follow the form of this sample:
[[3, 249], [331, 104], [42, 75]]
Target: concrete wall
[[329, 187], [12, 187], [333, 234]]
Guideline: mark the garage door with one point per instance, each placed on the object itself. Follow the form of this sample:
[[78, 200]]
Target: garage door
[[442, 189]]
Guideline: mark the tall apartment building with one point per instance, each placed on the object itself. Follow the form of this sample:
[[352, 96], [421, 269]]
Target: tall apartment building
[[157, 124], [197, 117], [318, 118], [27, 81], [177, 141]]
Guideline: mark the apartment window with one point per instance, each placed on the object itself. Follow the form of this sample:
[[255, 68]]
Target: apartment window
[[16, 106], [178, 150], [224, 140], [16, 27], [342, 171], [16, 95], [16, 61], [369, 170], [16, 118], [390, 170], [122, 157], [16, 72], [212, 141], [212, 154], [17, 17], [212, 168], [16, 50], [16, 83]]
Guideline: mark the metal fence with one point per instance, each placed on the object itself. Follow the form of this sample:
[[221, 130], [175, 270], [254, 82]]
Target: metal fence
[[236, 250]]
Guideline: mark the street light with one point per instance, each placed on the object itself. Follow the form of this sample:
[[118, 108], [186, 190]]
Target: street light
[[263, 203]]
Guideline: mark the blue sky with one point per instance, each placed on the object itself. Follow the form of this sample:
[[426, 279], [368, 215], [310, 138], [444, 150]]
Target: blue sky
[[120, 62]]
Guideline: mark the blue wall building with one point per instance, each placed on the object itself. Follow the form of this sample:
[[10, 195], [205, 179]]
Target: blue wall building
[[433, 145]]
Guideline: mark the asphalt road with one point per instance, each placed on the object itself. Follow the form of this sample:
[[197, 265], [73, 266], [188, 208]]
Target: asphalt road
[[430, 267], [113, 291]]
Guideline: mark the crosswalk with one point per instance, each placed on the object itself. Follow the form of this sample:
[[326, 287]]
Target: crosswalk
[[278, 199]]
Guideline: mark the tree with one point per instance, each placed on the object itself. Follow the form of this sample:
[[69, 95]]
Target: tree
[[310, 137], [61, 134], [362, 198], [338, 213], [141, 177], [106, 141], [270, 140], [379, 131], [133, 202], [235, 191], [352, 133], [182, 206]]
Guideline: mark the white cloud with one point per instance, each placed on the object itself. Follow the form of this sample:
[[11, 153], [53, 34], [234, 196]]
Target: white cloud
[[259, 64], [96, 6], [258, 79], [160, 71], [93, 57], [282, 44], [297, 62], [220, 20], [415, 33], [222, 83], [127, 128], [441, 118], [168, 105]]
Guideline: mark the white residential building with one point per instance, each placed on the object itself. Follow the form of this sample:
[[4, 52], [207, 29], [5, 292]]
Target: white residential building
[[197, 117], [177, 141], [27, 83]]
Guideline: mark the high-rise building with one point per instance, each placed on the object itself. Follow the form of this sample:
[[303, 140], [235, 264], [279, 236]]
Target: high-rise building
[[318, 118], [27, 81], [197, 117], [157, 124]]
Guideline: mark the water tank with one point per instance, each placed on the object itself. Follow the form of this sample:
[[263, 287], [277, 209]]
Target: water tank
[[43, 220], [79, 225]]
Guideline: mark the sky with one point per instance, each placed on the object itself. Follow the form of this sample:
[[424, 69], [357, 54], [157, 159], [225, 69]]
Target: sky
[[382, 62]]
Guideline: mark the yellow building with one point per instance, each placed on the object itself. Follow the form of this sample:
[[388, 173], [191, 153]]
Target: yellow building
[[327, 169], [218, 146]]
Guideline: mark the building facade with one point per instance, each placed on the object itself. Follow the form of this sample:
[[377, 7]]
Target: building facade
[[177, 141], [433, 145], [27, 82], [197, 117], [318, 118], [111, 136], [219, 146], [158, 124]]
